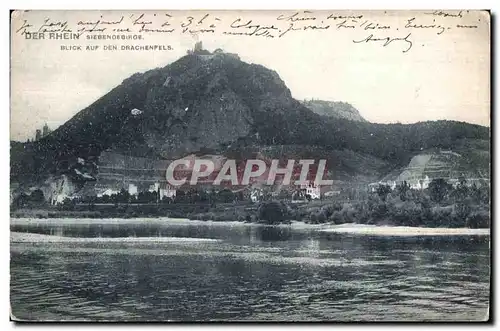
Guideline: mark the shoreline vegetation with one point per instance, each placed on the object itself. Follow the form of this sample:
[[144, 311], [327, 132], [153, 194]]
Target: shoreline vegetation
[[438, 206]]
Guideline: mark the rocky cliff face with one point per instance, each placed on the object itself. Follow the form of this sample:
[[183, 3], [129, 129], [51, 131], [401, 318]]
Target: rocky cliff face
[[192, 103]]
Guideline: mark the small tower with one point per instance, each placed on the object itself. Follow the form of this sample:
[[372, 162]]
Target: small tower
[[46, 130], [198, 47]]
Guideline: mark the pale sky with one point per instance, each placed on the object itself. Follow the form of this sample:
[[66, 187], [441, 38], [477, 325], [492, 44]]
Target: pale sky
[[445, 76]]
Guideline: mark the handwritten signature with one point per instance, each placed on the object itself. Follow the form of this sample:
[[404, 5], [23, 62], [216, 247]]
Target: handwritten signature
[[387, 41]]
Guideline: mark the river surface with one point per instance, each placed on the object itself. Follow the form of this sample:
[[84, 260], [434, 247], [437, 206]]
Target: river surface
[[140, 270]]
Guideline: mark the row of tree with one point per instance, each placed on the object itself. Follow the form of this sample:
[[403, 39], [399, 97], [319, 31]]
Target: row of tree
[[440, 205], [147, 197], [33, 200], [439, 192]]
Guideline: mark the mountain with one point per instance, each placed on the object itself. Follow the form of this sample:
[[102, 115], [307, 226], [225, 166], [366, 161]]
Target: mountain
[[335, 109], [214, 103]]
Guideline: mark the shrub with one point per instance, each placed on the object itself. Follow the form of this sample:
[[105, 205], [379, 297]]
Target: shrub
[[321, 217], [336, 218], [478, 219], [349, 213], [272, 212]]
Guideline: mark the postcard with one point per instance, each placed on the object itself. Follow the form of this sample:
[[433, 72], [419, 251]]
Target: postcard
[[250, 166]]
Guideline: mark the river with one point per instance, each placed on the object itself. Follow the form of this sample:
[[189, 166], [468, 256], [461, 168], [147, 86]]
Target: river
[[161, 270]]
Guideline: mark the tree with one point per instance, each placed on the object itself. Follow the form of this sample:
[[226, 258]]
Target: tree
[[20, 201], [438, 189], [239, 196], [191, 195], [383, 191], [203, 196], [123, 196], [226, 196], [105, 198], [166, 200], [212, 197], [68, 204], [403, 189], [180, 197], [285, 195], [463, 209], [461, 191], [147, 197], [37, 196]]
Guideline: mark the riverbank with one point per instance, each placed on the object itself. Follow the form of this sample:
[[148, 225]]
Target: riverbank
[[221, 212], [150, 221], [403, 231], [26, 237], [374, 211]]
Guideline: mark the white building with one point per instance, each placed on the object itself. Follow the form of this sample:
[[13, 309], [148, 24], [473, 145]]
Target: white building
[[420, 184], [372, 187], [168, 191], [255, 195], [312, 189], [331, 193], [154, 187], [132, 189], [108, 192], [58, 199], [163, 189]]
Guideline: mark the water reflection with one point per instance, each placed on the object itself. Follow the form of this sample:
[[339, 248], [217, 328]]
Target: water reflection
[[255, 273], [273, 233]]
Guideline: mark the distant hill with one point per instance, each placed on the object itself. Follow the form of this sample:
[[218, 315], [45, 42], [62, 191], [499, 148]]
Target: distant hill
[[469, 158], [335, 109]]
